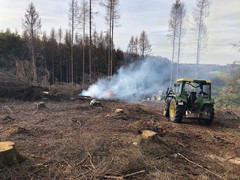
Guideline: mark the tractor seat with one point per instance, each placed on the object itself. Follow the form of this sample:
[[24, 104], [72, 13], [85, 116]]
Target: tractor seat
[[203, 94], [192, 98]]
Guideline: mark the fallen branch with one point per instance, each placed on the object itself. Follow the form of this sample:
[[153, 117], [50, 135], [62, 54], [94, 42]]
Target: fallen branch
[[199, 166], [135, 173], [124, 176], [90, 160], [82, 161], [211, 134], [114, 177]]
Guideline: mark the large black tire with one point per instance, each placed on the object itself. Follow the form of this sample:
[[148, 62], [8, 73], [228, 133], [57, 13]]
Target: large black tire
[[209, 110], [176, 112], [166, 107]]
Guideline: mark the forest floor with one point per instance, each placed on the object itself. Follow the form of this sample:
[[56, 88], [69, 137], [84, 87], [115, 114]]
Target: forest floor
[[69, 139]]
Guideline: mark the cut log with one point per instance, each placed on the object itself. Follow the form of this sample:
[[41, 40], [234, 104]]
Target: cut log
[[9, 155]]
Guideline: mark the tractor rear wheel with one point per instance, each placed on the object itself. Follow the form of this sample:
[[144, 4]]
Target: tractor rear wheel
[[166, 107], [176, 111], [209, 110]]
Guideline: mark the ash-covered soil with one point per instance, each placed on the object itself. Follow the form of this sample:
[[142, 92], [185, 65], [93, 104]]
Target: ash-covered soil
[[72, 140]]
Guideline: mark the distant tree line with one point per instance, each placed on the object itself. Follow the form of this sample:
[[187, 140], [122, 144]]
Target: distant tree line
[[63, 56], [53, 56], [78, 55]]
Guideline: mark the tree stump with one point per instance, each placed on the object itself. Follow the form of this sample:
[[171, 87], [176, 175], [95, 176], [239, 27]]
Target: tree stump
[[9, 155], [40, 105], [119, 111]]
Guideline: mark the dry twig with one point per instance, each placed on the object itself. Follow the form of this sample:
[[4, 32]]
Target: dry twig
[[90, 160], [199, 166], [124, 176]]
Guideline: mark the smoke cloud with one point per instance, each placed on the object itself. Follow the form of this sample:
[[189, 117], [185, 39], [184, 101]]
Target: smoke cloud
[[138, 80]]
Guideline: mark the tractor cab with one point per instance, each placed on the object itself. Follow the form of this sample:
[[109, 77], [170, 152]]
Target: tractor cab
[[193, 92], [199, 87]]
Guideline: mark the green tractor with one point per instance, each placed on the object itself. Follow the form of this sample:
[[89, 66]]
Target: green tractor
[[190, 99]]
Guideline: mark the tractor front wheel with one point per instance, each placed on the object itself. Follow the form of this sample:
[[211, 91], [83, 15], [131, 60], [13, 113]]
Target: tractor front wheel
[[176, 111]]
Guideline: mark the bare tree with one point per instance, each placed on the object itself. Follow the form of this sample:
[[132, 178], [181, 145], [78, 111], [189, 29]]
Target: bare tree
[[133, 48], [111, 17], [32, 27], [84, 15], [44, 40], [200, 12], [144, 44], [60, 36], [174, 24], [91, 16], [67, 41], [73, 13], [90, 40], [53, 46], [181, 32], [136, 42]]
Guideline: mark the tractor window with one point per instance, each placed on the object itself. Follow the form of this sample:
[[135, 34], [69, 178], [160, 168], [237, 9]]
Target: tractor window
[[190, 87], [206, 88], [178, 88]]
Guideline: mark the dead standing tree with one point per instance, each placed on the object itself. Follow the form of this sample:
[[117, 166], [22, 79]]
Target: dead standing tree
[[111, 17], [90, 38], [181, 32], [176, 32], [200, 12], [83, 16], [73, 13], [53, 48], [60, 36], [133, 48], [67, 42], [144, 44], [32, 27]]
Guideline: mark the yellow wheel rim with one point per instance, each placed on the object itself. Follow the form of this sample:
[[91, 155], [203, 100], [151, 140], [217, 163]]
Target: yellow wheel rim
[[172, 110]]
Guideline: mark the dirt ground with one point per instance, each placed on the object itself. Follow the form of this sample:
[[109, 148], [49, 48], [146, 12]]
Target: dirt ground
[[70, 139]]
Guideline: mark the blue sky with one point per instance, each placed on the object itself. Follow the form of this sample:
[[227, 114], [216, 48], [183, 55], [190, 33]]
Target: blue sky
[[152, 16]]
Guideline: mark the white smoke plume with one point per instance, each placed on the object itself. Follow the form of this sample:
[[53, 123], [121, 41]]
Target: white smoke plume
[[134, 82]]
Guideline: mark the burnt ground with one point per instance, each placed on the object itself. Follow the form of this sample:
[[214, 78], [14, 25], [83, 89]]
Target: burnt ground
[[70, 139]]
